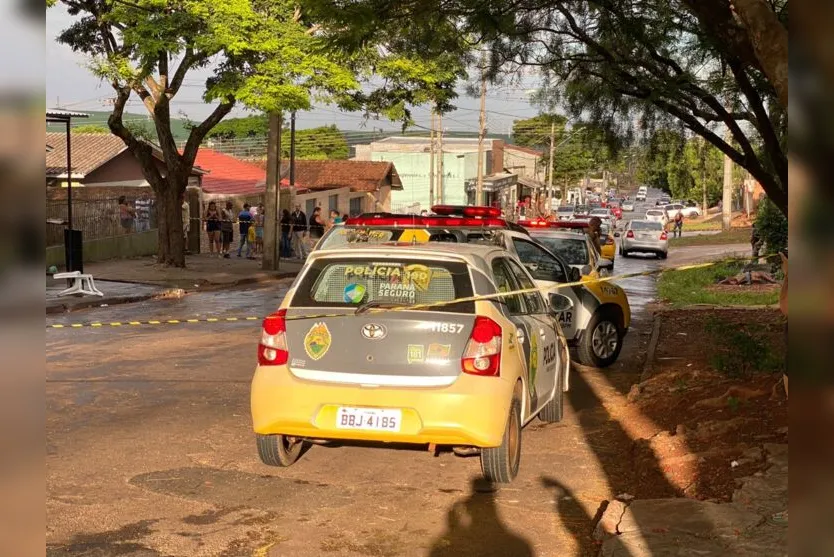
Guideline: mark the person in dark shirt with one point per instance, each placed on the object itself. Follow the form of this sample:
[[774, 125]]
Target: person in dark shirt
[[299, 232], [286, 229], [244, 222], [316, 224]]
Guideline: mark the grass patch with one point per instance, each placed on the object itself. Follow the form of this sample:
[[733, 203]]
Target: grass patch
[[732, 236], [713, 223], [742, 350], [685, 288]]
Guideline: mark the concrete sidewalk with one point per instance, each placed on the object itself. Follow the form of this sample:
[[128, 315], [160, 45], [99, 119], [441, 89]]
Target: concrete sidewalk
[[754, 524], [125, 281], [202, 272]]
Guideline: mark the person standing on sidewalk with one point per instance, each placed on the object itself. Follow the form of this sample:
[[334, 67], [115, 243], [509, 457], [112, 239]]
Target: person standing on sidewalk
[[317, 225], [260, 218], [142, 207], [286, 229], [126, 215], [678, 225], [299, 232], [213, 227], [227, 218], [186, 221], [244, 220]]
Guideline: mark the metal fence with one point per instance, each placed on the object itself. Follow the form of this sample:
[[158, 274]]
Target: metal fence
[[96, 218]]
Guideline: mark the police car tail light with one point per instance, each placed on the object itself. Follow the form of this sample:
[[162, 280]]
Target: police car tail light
[[664, 236], [630, 234], [272, 350], [482, 355]]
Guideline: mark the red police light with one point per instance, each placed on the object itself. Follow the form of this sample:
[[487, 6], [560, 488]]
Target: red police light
[[466, 211]]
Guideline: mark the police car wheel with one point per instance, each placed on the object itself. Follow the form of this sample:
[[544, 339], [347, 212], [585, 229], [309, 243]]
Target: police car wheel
[[279, 450], [602, 341], [500, 464], [554, 410]]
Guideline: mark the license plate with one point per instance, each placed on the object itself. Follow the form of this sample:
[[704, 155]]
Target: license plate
[[373, 419]]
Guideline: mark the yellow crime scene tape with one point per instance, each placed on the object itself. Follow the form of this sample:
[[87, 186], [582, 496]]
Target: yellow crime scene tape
[[375, 310]]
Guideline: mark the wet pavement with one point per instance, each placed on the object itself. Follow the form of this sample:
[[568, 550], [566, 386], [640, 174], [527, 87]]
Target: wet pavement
[[150, 451]]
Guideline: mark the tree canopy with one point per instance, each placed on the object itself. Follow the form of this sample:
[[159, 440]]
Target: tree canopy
[[268, 55], [627, 67]]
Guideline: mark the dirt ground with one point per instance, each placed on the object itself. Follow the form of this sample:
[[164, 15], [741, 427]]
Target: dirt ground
[[711, 423]]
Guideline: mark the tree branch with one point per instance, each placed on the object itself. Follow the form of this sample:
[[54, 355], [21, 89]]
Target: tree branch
[[198, 133], [141, 150], [186, 63]]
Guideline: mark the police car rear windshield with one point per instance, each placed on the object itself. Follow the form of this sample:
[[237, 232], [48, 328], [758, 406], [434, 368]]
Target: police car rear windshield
[[646, 225], [353, 282]]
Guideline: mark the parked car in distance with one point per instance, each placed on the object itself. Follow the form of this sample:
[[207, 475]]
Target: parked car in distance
[[628, 206], [657, 215], [644, 236], [565, 212], [687, 212], [662, 201]]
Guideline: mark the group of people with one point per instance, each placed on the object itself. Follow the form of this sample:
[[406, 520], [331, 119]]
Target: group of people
[[298, 232], [220, 229]]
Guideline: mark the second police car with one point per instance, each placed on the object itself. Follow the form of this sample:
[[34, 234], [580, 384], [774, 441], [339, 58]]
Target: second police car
[[601, 315]]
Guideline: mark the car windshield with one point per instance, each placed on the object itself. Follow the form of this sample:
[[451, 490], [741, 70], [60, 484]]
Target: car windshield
[[574, 251], [646, 225], [599, 213], [350, 282], [654, 213], [565, 210]]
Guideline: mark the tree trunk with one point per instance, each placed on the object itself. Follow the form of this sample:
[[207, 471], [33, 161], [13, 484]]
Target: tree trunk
[[770, 42], [171, 250]]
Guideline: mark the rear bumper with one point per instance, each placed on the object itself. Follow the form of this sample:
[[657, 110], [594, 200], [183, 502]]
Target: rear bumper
[[653, 247], [470, 411]]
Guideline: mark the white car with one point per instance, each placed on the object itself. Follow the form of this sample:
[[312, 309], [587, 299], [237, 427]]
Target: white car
[[628, 206], [657, 215], [644, 236], [687, 212]]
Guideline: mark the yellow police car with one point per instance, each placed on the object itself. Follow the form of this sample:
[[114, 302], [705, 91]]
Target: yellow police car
[[386, 343]]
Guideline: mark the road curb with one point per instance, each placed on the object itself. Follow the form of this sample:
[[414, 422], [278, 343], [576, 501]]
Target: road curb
[[648, 365], [206, 285], [86, 304]]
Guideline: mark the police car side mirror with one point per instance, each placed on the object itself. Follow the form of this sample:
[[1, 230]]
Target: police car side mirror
[[574, 274], [559, 302]]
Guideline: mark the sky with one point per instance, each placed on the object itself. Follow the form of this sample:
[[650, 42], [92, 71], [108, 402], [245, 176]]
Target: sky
[[71, 86]]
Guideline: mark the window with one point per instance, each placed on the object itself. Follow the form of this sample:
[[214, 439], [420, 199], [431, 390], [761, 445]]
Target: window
[[533, 300], [504, 282], [309, 207], [350, 282], [542, 265], [333, 203], [646, 225], [573, 251], [356, 206]]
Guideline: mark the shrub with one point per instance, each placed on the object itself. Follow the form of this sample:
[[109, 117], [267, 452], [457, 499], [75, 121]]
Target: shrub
[[772, 227]]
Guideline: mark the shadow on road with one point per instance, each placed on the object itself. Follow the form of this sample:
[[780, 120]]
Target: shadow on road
[[474, 528], [573, 516]]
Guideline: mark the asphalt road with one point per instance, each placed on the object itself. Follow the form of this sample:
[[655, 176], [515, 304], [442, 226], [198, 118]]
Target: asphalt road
[[150, 452]]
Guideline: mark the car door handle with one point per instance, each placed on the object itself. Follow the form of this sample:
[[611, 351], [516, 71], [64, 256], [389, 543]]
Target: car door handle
[[542, 334]]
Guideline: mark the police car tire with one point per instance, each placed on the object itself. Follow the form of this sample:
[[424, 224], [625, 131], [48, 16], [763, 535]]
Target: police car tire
[[553, 411], [586, 348], [275, 450], [500, 464]]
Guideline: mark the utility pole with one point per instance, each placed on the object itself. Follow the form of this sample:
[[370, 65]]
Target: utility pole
[[431, 157], [292, 161], [550, 173], [271, 205], [479, 186], [441, 189], [727, 198]]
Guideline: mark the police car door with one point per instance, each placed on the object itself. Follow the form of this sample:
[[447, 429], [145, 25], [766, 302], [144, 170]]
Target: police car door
[[548, 272], [544, 359], [515, 309]]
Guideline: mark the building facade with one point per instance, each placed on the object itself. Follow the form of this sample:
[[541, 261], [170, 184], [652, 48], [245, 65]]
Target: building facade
[[412, 157]]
